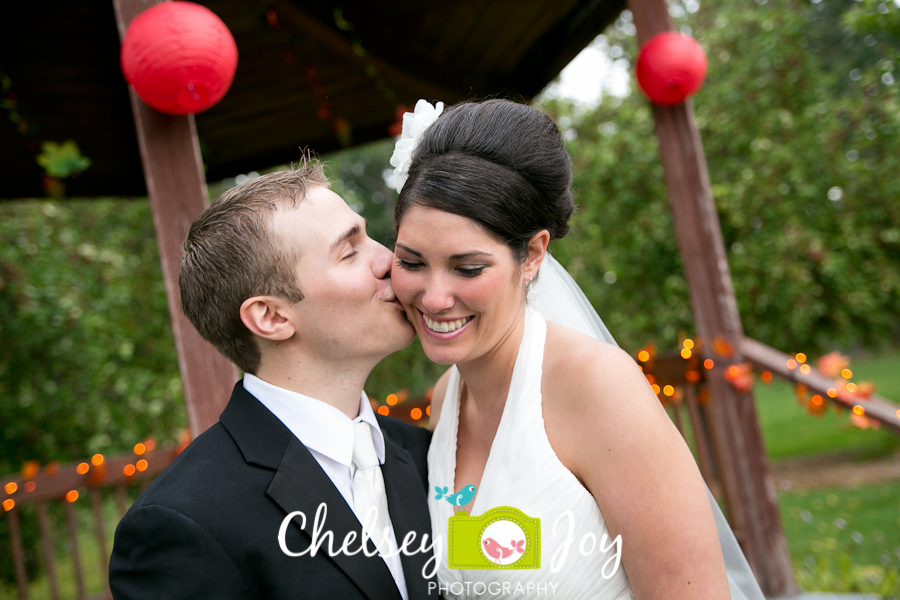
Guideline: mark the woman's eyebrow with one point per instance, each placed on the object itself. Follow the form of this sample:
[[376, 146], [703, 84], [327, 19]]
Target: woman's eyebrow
[[410, 250], [452, 257], [469, 254]]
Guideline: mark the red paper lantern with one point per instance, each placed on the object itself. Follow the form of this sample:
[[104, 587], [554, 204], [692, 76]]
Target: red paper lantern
[[179, 57], [671, 67]]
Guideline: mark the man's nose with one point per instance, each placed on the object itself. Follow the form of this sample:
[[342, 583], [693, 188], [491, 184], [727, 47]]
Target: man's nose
[[381, 261]]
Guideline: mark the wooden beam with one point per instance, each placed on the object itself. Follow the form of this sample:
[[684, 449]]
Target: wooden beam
[[749, 488], [176, 187]]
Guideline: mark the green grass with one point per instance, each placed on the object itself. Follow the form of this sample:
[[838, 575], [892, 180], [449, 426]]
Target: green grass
[[845, 540], [789, 431]]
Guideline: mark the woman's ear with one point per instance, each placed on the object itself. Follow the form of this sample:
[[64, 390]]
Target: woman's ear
[[537, 248], [266, 317]]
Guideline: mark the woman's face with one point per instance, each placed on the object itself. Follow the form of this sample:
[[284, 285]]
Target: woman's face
[[461, 288]]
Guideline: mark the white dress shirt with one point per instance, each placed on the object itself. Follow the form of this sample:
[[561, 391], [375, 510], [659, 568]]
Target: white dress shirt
[[328, 434]]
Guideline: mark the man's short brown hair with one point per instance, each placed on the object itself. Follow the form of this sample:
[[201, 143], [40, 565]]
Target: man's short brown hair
[[231, 253]]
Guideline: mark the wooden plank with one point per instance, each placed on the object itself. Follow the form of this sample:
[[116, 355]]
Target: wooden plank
[[121, 502], [676, 417], [176, 186], [100, 529], [750, 493], [766, 358], [47, 546], [289, 13], [701, 441], [76, 555], [18, 553]]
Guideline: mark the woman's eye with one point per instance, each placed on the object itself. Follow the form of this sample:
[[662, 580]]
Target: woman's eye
[[409, 266], [470, 271], [351, 255]]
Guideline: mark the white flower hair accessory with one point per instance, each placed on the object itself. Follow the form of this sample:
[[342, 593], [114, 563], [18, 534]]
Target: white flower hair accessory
[[414, 125]]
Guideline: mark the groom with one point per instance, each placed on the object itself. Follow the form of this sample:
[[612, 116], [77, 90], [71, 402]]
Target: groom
[[280, 276]]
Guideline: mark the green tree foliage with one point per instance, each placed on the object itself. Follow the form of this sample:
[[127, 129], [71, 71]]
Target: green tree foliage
[[803, 157], [87, 360]]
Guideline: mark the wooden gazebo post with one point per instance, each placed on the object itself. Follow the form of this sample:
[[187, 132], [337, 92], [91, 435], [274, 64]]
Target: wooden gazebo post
[[176, 187], [749, 488]]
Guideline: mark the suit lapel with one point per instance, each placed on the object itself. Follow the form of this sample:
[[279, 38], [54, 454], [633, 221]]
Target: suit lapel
[[300, 484], [408, 506]]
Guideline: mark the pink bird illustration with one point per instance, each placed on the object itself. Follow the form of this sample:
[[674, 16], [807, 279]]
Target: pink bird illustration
[[493, 549]]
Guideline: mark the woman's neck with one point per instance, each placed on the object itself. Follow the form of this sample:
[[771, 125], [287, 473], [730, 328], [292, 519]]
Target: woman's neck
[[487, 378]]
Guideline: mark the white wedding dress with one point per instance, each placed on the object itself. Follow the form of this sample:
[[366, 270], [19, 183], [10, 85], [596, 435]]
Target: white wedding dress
[[524, 472]]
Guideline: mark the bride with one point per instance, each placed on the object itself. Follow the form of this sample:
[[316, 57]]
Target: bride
[[550, 419]]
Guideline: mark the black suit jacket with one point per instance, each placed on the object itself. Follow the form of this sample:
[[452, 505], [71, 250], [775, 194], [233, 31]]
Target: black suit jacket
[[207, 527]]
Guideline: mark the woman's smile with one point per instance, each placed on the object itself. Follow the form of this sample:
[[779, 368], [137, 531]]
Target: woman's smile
[[444, 329]]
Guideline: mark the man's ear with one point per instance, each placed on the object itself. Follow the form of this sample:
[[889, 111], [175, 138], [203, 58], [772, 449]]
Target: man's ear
[[266, 317], [537, 248]]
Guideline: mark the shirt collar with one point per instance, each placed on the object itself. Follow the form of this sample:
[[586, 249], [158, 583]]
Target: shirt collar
[[320, 426]]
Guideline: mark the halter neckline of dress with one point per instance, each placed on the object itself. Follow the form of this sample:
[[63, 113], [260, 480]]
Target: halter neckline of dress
[[523, 472]]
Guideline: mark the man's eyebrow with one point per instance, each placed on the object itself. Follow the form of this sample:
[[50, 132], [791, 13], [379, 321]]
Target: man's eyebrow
[[355, 230], [452, 257]]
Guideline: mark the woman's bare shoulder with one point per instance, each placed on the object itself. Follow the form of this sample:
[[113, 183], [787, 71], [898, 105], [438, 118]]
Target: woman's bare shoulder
[[575, 363], [595, 391], [437, 399]]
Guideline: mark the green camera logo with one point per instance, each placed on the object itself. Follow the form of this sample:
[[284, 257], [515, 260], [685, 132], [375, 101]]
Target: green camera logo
[[502, 538]]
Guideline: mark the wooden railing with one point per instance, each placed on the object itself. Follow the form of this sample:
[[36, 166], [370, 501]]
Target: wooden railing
[[67, 485], [688, 396], [784, 366]]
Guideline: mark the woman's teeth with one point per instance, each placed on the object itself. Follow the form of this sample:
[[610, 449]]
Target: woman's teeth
[[445, 326]]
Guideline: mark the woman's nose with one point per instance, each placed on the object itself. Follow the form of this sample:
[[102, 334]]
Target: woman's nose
[[438, 295]]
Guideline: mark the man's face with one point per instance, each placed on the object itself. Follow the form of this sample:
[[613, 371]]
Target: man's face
[[349, 309]]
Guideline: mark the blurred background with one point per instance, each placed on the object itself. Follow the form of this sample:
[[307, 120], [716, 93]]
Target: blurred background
[[800, 121]]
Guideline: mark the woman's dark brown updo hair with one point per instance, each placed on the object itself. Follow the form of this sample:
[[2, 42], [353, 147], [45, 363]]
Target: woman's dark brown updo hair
[[497, 162]]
